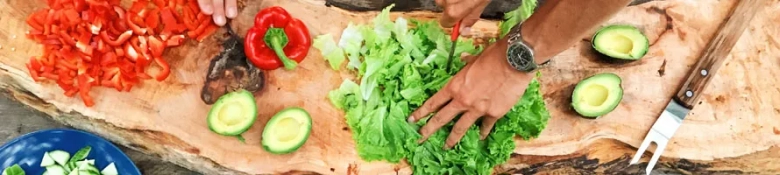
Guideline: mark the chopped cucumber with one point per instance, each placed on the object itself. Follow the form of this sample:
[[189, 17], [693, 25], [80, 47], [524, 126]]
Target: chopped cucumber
[[81, 154], [109, 170], [90, 168], [47, 160], [70, 166], [89, 172], [55, 170], [81, 165], [73, 173], [14, 170], [60, 156]]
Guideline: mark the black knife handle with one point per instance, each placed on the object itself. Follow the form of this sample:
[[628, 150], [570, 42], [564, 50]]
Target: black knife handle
[[717, 51]]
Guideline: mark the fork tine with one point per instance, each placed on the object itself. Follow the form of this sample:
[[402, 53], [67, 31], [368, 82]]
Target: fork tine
[[642, 149], [656, 155]]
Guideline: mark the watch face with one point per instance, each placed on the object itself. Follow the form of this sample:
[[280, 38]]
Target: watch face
[[520, 57]]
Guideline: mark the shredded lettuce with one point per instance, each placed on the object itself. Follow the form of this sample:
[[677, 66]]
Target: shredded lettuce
[[516, 16], [332, 53], [398, 68]]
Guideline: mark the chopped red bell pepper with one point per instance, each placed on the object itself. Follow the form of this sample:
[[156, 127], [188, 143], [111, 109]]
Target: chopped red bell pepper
[[175, 40], [138, 30], [119, 40], [166, 69], [89, 43], [156, 46], [277, 39]]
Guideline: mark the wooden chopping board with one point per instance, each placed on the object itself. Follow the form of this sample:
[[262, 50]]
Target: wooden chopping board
[[735, 128]]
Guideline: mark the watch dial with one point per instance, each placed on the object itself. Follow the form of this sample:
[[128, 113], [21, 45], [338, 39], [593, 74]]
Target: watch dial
[[520, 57]]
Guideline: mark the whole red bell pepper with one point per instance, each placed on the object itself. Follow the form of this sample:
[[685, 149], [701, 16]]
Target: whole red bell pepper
[[277, 39]]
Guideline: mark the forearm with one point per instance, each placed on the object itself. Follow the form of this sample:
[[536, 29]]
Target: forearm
[[558, 24]]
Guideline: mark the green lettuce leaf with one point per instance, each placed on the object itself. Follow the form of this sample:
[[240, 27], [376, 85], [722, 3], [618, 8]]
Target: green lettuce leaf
[[398, 68], [521, 13], [332, 53]]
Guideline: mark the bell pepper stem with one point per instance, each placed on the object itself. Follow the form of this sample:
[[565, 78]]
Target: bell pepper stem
[[277, 39]]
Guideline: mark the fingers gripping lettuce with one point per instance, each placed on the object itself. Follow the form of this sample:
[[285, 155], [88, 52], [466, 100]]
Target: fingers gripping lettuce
[[399, 67]]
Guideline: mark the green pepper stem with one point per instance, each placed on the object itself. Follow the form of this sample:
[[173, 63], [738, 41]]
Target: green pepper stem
[[277, 40]]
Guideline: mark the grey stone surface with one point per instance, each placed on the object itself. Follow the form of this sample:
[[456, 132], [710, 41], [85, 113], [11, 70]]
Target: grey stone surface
[[17, 119]]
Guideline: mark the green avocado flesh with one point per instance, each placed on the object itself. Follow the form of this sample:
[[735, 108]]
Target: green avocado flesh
[[233, 113], [287, 131], [621, 42], [597, 95]]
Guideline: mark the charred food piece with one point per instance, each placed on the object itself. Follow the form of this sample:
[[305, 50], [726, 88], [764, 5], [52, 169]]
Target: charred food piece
[[229, 71]]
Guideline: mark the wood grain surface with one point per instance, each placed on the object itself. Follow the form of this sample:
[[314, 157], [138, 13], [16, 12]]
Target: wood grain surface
[[716, 52], [733, 129]]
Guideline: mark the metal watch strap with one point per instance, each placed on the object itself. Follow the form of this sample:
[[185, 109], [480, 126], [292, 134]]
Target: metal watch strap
[[514, 34], [519, 55]]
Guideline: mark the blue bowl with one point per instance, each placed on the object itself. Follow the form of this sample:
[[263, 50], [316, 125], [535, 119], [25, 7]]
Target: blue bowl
[[28, 150]]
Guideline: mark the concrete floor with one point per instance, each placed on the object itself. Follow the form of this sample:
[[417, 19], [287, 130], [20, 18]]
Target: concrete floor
[[18, 119]]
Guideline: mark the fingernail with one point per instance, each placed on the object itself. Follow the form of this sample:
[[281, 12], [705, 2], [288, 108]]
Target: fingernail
[[466, 31], [482, 137], [446, 147], [231, 13], [410, 119], [219, 20], [420, 141]]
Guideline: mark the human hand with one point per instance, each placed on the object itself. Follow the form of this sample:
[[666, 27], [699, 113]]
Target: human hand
[[219, 10], [457, 10], [487, 87]]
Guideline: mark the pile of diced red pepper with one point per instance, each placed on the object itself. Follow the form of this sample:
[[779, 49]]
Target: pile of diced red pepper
[[88, 43]]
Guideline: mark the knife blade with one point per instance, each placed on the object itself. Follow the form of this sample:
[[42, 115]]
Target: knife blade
[[688, 94], [454, 38]]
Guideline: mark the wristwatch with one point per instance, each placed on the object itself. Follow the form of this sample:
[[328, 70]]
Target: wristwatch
[[519, 54]]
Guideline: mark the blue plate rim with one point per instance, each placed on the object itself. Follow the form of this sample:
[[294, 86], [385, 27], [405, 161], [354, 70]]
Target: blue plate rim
[[19, 138]]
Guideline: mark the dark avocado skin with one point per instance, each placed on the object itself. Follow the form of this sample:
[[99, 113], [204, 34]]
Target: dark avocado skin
[[230, 71]]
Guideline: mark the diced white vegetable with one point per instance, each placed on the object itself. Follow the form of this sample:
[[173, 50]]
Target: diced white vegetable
[[82, 165], [46, 160], [74, 172], [91, 161], [70, 166], [59, 156], [109, 170], [55, 170], [88, 172], [92, 169]]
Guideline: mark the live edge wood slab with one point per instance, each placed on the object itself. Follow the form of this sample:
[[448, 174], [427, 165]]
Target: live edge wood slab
[[733, 129]]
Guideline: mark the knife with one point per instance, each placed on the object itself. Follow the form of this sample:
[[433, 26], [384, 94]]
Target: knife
[[454, 38], [683, 101]]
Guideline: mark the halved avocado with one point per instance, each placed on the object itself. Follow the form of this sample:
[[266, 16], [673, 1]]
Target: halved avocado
[[287, 131], [597, 95], [621, 42], [233, 113]]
